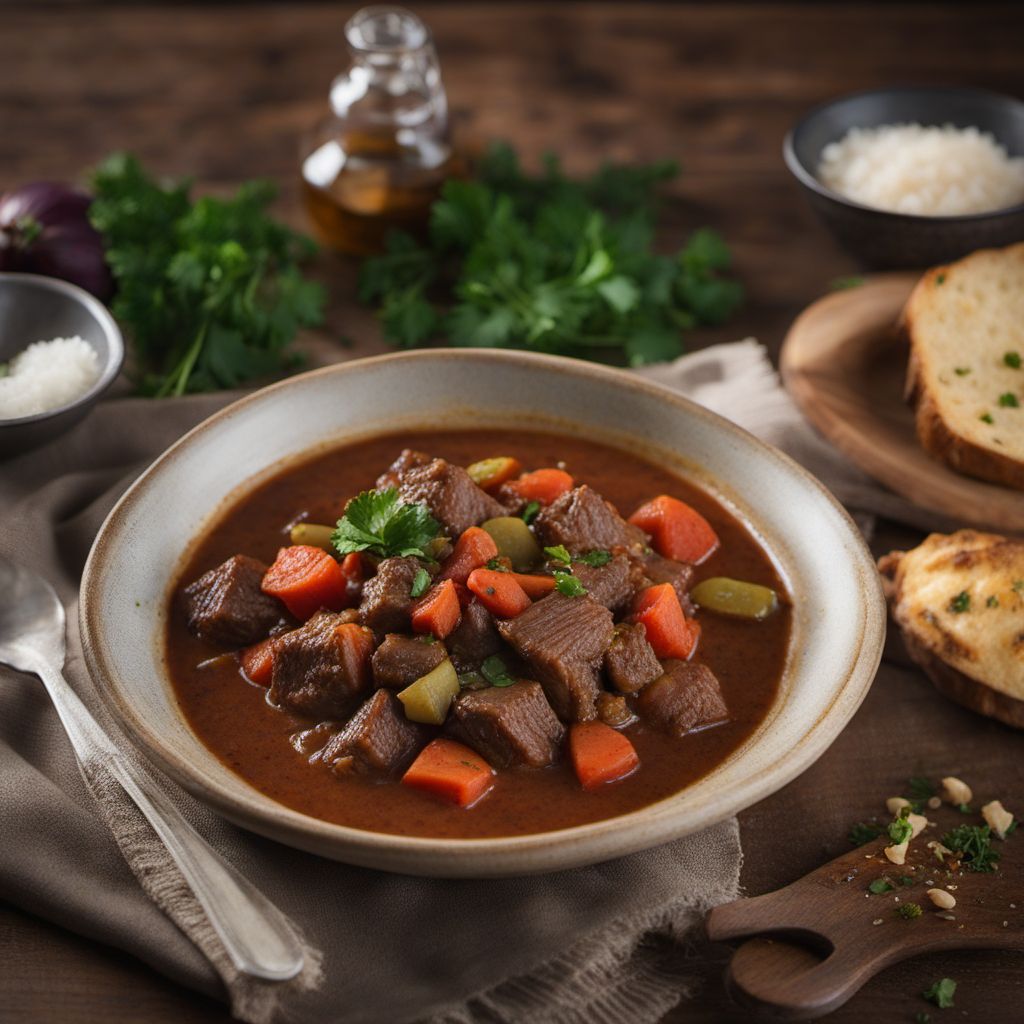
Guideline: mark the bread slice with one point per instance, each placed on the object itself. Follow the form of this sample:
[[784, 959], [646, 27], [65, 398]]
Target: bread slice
[[959, 602], [965, 322]]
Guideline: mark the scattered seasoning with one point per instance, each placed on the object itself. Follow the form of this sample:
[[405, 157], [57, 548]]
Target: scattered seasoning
[[495, 671], [566, 583], [992, 602], [941, 279], [1018, 585], [941, 993], [558, 553], [530, 512], [960, 603], [1008, 400], [961, 371], [972, 847], [420, 582], [1012, 359], [877, 921], [986, 417], [908, 911]]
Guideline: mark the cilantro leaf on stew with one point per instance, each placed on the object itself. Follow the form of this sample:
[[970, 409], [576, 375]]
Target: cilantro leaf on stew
[[420, 582], [566, 583], [558, 553], [378, 522], [595, 558], [495, 671], [530, 512]]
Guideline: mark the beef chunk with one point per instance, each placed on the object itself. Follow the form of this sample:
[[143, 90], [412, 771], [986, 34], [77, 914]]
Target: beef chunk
[[666, 570], [322, 668], [377, 740], [563, 639], [387, 597], [613, 710], [509, 725], [450, 494], [611, 584], [685, 699], [401, 660], [582, 520], [409, 459], [474, 639], [630, 662], [226, 605]]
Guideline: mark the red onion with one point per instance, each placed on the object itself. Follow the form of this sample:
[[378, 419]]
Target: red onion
[[45, 229]]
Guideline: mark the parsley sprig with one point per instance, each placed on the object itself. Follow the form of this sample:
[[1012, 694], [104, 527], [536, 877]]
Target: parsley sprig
[[376, 521], [550, 264], [210, 291], [972, 845]]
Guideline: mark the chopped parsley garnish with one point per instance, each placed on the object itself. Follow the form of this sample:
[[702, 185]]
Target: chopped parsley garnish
[[960, 603], [961, 371], [941, 279], [595, 558], [495, 671], [420, 582], [1008, 400], [1012, 359], [986, 417], [880, 885], [530, 512], [863, 832], [558, 553], [964, 808], [900, 830], [377, 521], [941, 993], [919, 791], [496, 564], [973, 846], [992, 602], [1017, 585], [566, 583], [908, 911], [472, 681], [906, 880]]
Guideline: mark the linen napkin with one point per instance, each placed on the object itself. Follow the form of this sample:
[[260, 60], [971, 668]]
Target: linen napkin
[[576, 946]]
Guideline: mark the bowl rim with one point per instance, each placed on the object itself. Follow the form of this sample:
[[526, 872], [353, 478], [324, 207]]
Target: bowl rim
[[115, 343], [490, 856], [810, 180]]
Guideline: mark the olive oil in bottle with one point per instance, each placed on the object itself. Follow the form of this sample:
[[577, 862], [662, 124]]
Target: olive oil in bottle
[[378, 159]]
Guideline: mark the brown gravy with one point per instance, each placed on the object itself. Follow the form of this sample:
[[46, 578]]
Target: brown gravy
[[234, 720]]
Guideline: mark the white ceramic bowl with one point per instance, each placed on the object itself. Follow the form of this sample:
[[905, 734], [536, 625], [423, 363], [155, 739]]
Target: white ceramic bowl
[[838, 614]]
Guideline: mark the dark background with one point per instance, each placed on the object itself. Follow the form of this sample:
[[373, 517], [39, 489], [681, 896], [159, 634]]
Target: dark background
[[223, 92]]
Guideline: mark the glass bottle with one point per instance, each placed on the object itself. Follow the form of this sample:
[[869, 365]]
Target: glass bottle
[[379, 157]]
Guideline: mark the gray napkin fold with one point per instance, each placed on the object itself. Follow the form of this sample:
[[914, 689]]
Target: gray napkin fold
[[570, 947]]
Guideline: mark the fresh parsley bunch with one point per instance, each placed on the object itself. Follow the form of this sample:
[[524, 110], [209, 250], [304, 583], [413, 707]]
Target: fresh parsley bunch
[[210, 290], [378, 522], [550, 264]]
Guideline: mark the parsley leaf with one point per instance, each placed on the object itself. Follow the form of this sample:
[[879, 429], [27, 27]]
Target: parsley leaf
[[919, 791], [495, 671], [595, 558], [420, 582], [566, 583], [880, 885], [1012, 359], [209, 290], [972, 845], [377, 521], [941, 993], [558, 553], [530, 512], [961, 371], [960, 602], [863, 832], [900, 830], [1008, 400]]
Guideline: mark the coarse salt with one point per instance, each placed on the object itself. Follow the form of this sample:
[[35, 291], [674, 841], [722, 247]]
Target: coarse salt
[[47, 376]]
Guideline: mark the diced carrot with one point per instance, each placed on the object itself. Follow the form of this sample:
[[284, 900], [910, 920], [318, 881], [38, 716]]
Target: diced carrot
[[677, 530], [258, 661], [543, 485], [307, 579], [355, 649], [474, 548], [668, 630], [535, 586], [491, 473], [437, 611], [499, 592], [600, 754], [450, 771]]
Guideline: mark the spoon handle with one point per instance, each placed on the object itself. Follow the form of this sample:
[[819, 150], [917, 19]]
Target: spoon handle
[[256, 935]]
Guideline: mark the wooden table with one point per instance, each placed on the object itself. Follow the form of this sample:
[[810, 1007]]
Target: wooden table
[[224, 92]]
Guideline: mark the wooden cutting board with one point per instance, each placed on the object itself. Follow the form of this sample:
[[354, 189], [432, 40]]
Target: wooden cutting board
[[844, 363], [809, 947]]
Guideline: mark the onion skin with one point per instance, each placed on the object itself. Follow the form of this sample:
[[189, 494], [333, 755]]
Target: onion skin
[[45, 229]]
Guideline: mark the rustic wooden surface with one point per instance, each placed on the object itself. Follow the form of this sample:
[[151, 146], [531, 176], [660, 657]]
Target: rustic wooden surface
[[223, 93], [845, 364]]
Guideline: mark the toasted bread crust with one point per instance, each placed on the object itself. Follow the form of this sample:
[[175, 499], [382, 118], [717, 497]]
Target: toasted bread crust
[[939, 438]]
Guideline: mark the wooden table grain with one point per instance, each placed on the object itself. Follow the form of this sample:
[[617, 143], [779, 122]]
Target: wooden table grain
[[224, 92]]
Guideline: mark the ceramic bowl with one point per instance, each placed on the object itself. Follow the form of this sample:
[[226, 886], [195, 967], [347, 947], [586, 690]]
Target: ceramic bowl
[[838, 614], [37, 308], [884, 240]]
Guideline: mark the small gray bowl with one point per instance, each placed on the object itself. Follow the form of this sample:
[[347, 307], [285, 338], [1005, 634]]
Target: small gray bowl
[[36, 308], [884, 240]]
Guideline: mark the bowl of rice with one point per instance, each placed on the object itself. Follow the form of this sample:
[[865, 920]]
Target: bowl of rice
[[911, 177], [60, 349]]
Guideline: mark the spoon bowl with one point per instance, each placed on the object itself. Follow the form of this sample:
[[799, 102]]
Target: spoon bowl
[[31, 619]]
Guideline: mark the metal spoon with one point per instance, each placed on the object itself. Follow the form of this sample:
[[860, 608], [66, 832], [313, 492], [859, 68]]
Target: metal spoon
[[257, 937]]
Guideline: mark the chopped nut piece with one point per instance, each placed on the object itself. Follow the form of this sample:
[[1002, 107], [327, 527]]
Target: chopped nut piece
[[955, 791], [997, 817], [898, 853], [877, 920], [942, 899], [895, 804], [934, 802], [918, 822]]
